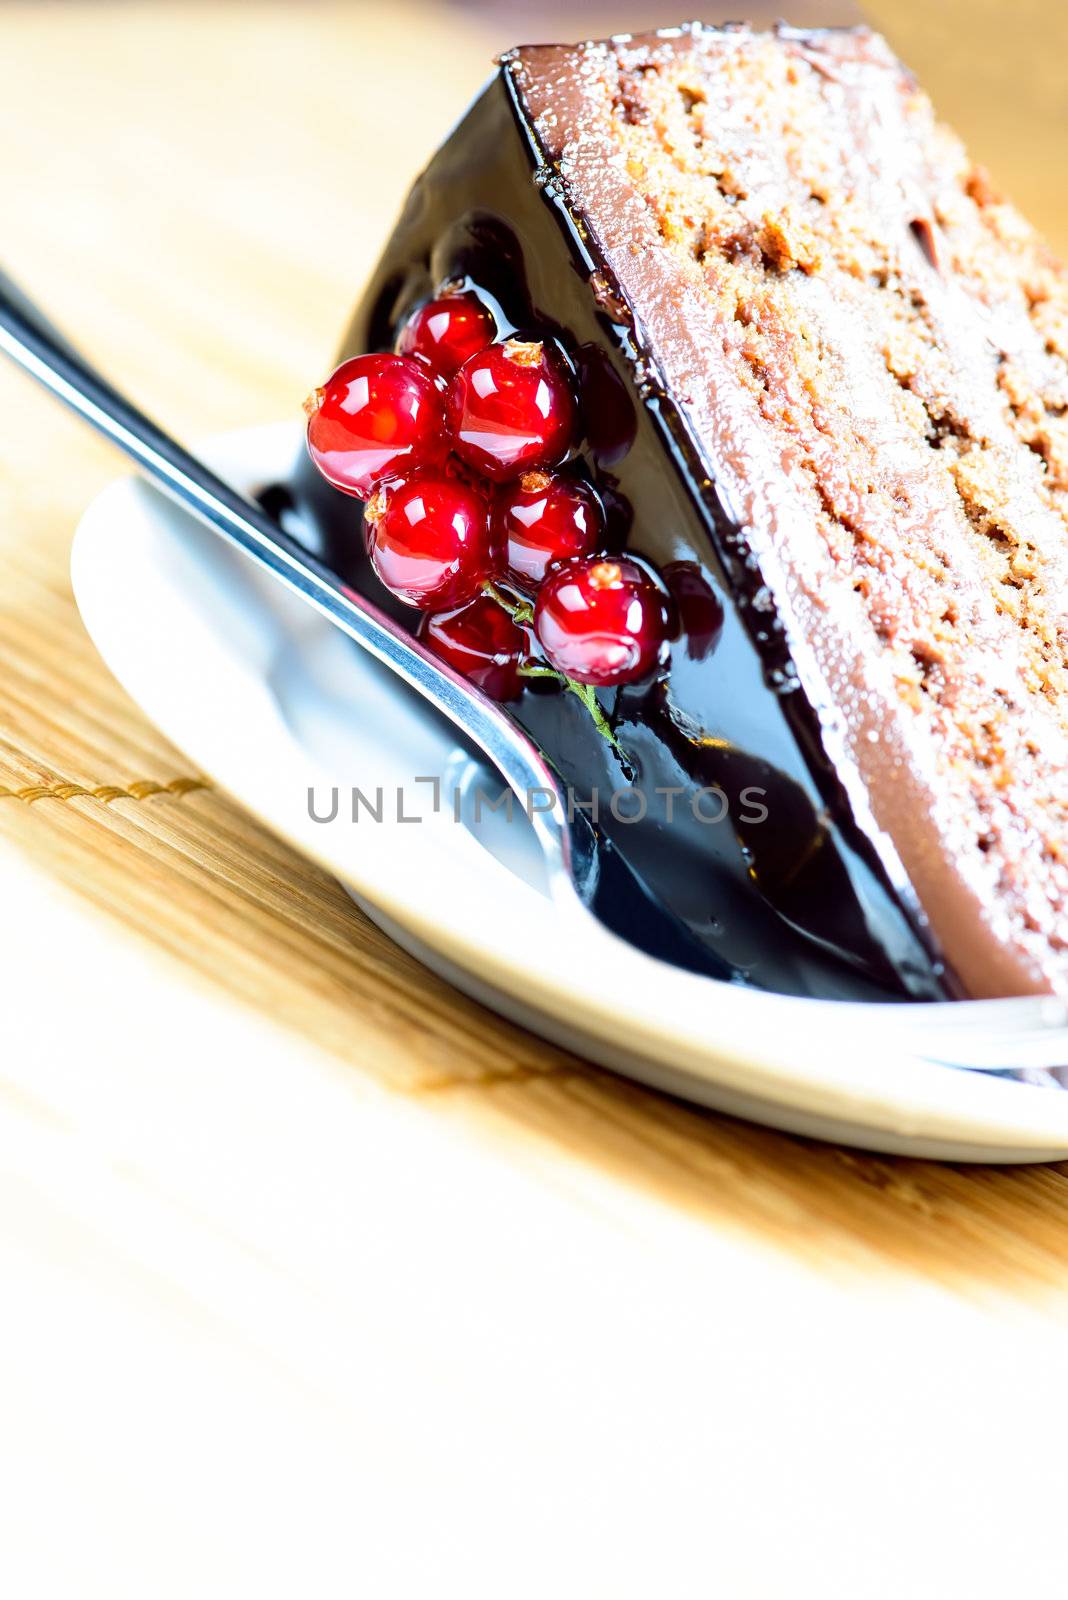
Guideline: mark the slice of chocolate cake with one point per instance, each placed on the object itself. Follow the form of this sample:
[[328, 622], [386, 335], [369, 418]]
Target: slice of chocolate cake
[[823, 377]]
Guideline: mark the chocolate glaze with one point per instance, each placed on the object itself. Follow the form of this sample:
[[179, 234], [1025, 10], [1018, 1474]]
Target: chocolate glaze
[[813, 899], [890, 160]]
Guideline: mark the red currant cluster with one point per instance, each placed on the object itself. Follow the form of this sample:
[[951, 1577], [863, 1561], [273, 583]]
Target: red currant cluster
[[454, 442]]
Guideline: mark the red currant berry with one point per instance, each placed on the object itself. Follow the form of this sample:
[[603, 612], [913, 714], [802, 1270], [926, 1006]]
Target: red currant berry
[[511, 407], [601, 620], [378, 416], [481, 641], [543, 518], [428, 540], [447, 331]]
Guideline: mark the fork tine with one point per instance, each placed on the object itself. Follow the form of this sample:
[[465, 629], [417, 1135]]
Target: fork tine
[[1024, 1052], [1019, 1034], [1023, 1014]]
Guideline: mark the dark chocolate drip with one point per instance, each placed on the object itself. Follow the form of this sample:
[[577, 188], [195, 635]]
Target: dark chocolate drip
[[798, 901]]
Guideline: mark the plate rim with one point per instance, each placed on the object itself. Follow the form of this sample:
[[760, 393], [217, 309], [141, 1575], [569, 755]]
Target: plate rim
[[922, 1109]]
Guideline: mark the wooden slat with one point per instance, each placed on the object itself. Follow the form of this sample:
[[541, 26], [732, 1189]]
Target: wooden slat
[[202, 235]]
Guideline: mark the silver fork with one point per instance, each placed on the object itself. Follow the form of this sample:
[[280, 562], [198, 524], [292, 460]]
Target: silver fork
[[583, 872]]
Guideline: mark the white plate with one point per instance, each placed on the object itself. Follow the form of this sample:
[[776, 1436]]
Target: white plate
[[272, 702]]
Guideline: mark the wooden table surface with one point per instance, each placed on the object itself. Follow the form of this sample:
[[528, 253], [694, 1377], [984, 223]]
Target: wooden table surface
[[318, 1274]]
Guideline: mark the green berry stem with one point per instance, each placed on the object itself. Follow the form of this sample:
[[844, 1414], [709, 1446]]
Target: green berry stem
[[522, 613], [584, 692]]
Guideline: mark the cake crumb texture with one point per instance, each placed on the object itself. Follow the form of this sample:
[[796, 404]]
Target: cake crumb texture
[[901, 335]]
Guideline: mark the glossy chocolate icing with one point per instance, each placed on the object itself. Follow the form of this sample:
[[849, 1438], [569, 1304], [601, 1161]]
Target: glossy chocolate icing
[[812, 899]]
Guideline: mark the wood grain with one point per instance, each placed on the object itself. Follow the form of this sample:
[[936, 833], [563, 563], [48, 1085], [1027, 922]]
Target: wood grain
[[201, 228]]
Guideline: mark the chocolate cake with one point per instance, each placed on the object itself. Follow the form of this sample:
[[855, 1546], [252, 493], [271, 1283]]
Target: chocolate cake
[[822, 368]]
